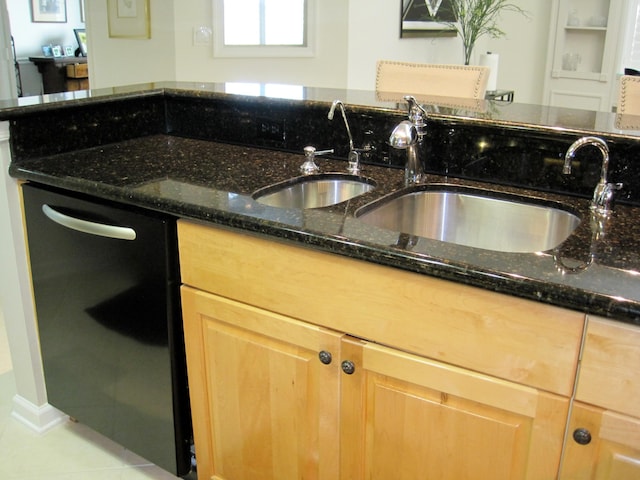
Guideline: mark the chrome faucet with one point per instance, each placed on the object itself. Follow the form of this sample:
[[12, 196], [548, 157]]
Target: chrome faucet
[[354, 154], [408, 135], [603, 193]]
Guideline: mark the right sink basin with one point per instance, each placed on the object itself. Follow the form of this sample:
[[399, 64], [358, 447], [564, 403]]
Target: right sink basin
[[473, 217]]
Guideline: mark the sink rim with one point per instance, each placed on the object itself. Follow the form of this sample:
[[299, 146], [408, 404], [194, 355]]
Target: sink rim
[[576, 216], [292, 182], [469, 190]]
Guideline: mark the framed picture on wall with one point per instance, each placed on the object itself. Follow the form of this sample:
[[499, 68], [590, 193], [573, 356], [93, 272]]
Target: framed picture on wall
[[81, 37], [128, 18], [49, 11], [426, 18]]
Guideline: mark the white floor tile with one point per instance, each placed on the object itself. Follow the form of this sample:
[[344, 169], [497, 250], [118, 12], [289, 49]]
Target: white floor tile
[[68, 452], [5, 355]]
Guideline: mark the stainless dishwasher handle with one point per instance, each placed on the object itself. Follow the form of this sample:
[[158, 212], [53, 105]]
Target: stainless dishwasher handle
[[92, 228]]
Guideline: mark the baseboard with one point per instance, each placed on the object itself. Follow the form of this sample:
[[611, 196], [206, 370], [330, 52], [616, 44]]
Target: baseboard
[[38, 418]]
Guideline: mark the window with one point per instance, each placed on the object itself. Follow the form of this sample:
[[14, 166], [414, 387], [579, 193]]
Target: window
[[274, 90], [630, 37], [263, 28]]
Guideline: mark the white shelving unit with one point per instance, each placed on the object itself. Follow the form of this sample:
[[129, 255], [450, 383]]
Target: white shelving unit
[[582, 52]]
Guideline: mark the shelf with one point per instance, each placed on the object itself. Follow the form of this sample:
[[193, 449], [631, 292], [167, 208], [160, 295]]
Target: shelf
[[585, 29], [575, 74]]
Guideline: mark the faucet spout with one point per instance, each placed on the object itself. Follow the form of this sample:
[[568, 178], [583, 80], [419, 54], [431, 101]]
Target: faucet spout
[[603, 193], [354, 155], [405, 137], [408, 135]]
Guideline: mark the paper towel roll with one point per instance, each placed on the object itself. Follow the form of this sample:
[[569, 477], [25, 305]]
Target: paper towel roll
[[491, 60]]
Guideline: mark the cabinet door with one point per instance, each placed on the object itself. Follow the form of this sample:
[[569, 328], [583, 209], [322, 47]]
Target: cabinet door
[[264, 404], [406, 417], [601, 445]]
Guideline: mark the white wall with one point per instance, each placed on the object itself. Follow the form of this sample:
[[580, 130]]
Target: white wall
[[172, 55], [352, 36], [374, 34], [121, 61], [523, 51], [29, 36], [7, 71]]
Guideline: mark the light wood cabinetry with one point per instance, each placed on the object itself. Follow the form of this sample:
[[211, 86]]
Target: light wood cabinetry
[[425, 375], [408, 417], [603, 440], [582, 51], [264, 405]]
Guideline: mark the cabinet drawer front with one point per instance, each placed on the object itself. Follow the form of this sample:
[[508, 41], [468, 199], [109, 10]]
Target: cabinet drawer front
[[500, 335], [609, 375]]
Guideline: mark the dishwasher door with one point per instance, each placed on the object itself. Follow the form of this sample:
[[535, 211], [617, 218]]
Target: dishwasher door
[[106, 287]]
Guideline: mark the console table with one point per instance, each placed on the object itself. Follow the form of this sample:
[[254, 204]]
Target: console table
[[54, 73]]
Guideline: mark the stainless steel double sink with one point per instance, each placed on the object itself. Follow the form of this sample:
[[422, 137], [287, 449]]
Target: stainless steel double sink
[[450, 213]]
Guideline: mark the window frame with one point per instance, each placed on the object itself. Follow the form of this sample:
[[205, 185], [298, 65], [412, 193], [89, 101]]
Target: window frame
[[263, 51]]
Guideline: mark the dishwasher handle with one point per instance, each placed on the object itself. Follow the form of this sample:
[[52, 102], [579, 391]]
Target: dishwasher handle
[[92, 228]]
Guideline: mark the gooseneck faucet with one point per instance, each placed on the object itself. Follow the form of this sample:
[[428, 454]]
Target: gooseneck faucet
[[603, 193], [354, 155], [408, 135]]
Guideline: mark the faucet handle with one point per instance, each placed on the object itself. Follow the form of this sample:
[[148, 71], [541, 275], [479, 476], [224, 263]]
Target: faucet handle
[[417, 115], [309, 166], [603, 196]]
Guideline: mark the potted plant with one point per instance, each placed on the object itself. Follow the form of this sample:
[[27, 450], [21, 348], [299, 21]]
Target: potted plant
[[476, 18]]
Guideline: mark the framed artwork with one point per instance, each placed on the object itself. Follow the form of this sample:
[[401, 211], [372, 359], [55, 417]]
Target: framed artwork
[[81, 37], [128, 18], [426, 18], [49, 11]]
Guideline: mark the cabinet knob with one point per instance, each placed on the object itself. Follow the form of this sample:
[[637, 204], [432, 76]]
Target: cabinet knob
[[348, 367], [582, 436], [325, 357]]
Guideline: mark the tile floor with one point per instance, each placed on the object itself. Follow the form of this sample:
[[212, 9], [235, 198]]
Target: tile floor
[[70, 451]]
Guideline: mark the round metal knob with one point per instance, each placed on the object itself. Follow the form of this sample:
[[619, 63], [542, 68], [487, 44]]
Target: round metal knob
[[325, 357], [348, 367], [582, 436]]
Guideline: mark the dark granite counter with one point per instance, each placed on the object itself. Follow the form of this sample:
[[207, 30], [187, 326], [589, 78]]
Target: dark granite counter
[[199, 152], [213, 182]]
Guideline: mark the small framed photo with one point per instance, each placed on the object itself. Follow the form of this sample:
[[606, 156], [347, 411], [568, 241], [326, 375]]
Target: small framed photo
[[49, 11], [57, 50], [47, 50], [81, 37], [68, 51], [128, 18]]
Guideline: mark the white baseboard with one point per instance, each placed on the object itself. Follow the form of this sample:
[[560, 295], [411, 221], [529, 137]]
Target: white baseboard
[[40, 419]]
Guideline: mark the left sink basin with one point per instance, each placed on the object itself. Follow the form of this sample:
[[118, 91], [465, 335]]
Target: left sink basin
[[314, 191]]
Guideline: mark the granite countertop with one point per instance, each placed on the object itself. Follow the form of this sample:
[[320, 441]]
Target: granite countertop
[[213, 182]]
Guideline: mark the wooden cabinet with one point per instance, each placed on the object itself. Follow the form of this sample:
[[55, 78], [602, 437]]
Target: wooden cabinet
[[603, 440], [583, 43], [264, 405], [276, 398], [408, 417], [260, 314], [55, 75]]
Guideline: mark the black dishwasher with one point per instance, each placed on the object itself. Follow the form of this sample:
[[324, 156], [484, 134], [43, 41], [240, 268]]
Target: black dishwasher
[[106, 288]]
